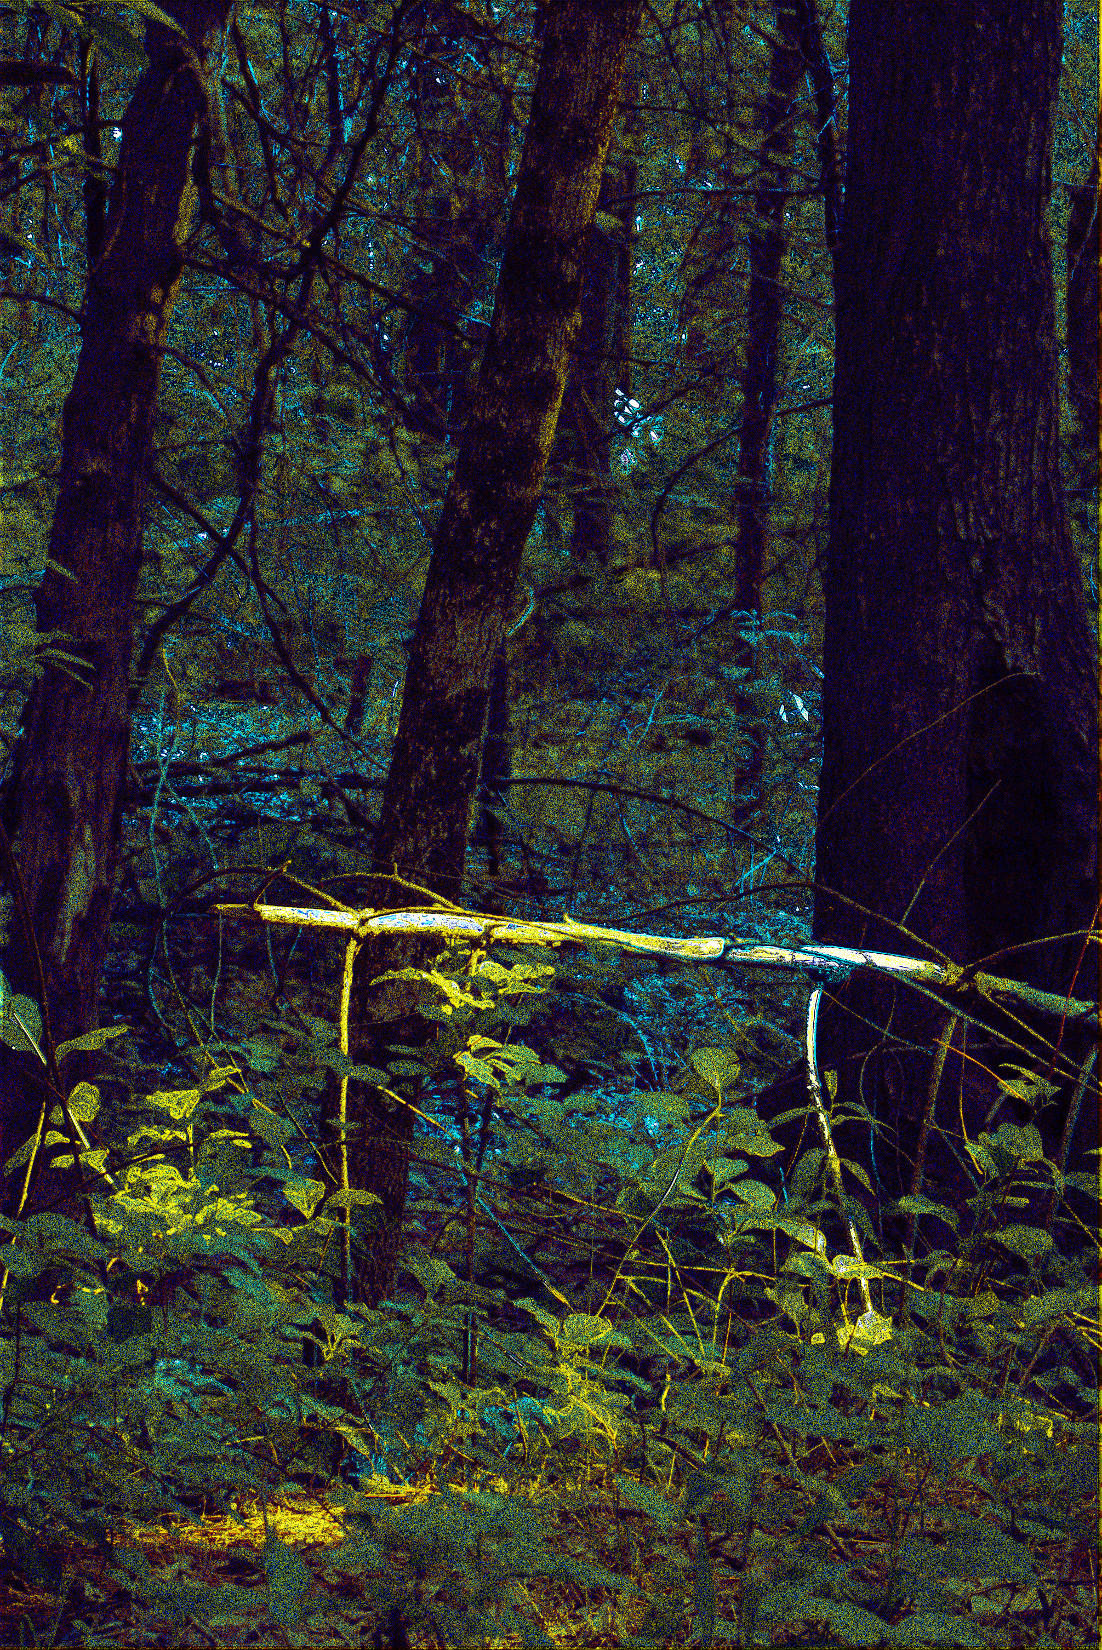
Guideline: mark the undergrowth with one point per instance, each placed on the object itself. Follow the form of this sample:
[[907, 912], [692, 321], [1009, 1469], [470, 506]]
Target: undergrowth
[[629, 1390]]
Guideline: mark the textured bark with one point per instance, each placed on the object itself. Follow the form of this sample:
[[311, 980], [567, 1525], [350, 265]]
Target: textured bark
[[759, 378], [497, 763], [455, 229], [442, 335], [64, 797], [820, 73], [95, 183], [589, 403], [1082, 314], [487, 515], [959, 781]]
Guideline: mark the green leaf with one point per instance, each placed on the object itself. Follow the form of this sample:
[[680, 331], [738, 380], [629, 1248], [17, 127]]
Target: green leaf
[[20, 1021], [754, 1193], [262, 1053], [807, 1171], [870, 1330], [1024, 1142], [923, 1206], [847, 1623], [724, 1171], [147, 9], [275, 1130], [745, 1132], [178, 1103], [304, 1194], [288, 1581], [858, 1172], [1026, 1241], [1054, 1303], [350, 1198], [432, 1273], [1025, 1085], [845, 1266], [803, 1231], [16, 1161], [90, 1042], [716, 1067], [927, 1627], [957, 1430], [704, 1590], [119, 42], [83, 1102], [662, 1512], [582, 1329], [981, 1157]]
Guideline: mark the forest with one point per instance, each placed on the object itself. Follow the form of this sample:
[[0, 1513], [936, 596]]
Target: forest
[[549, 796]]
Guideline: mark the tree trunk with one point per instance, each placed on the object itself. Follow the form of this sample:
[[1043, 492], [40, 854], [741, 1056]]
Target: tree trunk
[[596, 372], [65, 794], [957, 810], [759, 380], [820, 74], [1081, 290], [496, 768], [455, 225], [487, 515]]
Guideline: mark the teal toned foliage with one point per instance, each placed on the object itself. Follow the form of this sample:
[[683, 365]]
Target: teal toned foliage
[[706, 1351]]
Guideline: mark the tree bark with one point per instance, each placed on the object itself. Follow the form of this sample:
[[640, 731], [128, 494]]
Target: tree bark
[[596, 372], [764, 307], [496, 766], [1081, 289], [65, 793], [487, 515], [454, 228], [957, 810], [820, 74]]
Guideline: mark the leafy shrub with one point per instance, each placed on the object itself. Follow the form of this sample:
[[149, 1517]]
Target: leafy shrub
[[624, 1318]]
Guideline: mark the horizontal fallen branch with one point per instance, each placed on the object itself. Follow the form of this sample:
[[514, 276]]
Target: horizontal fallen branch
[[825, 963]]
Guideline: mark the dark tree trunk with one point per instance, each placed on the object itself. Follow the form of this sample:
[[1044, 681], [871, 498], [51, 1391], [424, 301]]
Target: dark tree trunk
[[95, 185], [439, 338], [487, 515], [454, 231], [759, 377], [1082, 323], [589, 403], [496, 764], [64, 796], [957, 812], [820, 74]]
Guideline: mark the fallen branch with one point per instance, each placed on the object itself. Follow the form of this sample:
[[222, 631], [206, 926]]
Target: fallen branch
[[827, 964]]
